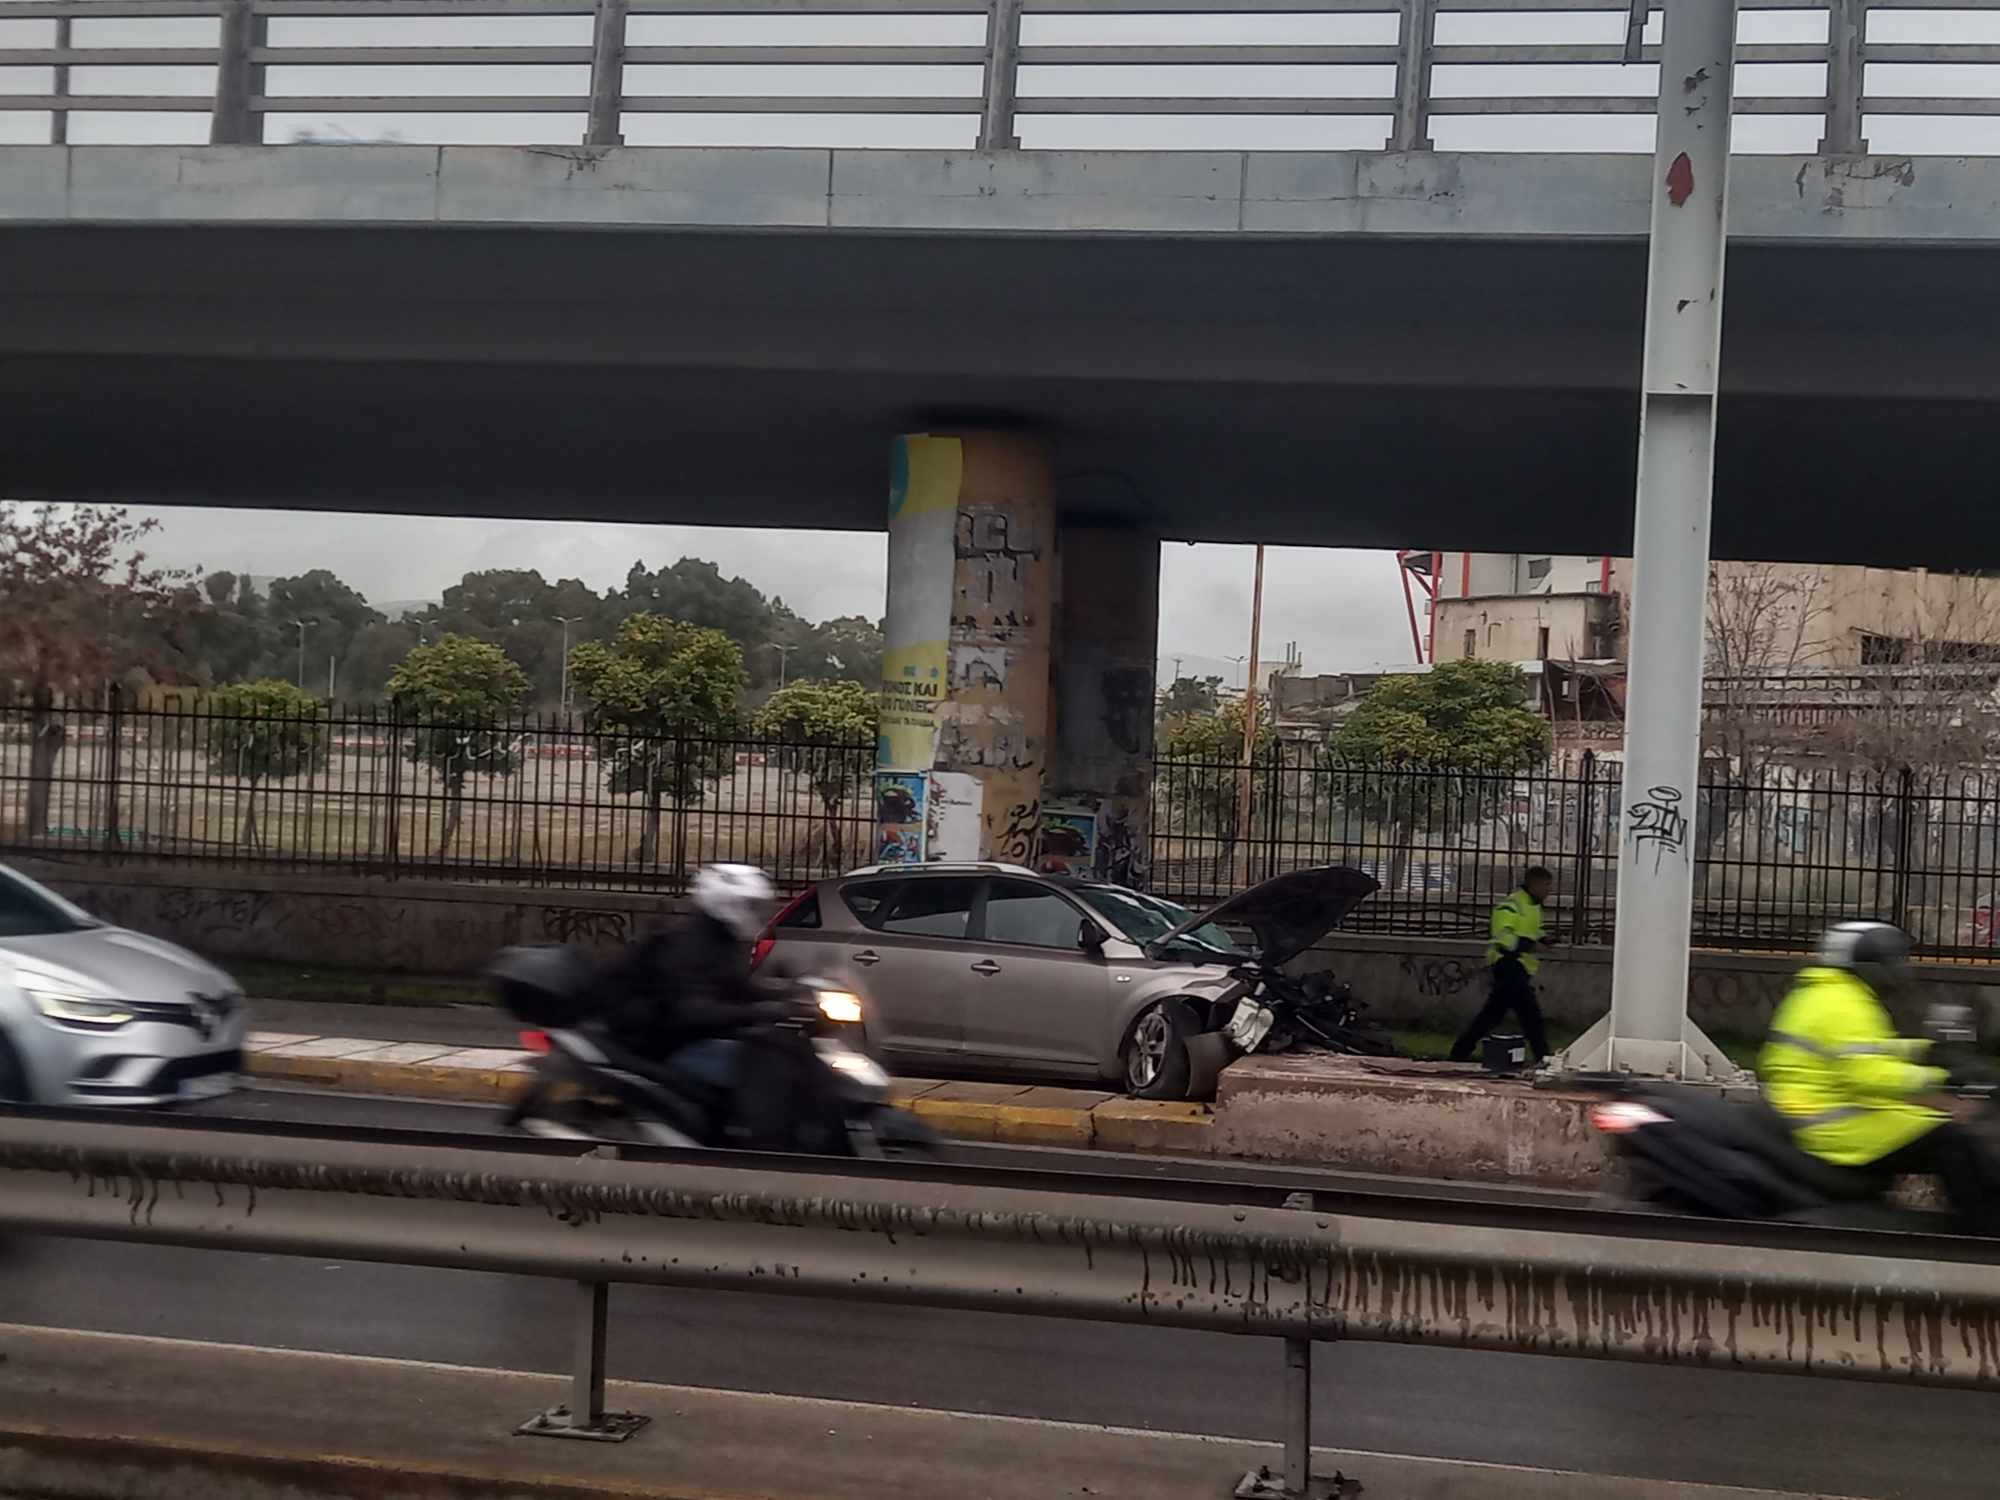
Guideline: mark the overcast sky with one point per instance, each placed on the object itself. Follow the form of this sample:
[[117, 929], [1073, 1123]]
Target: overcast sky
[[1344, 608]]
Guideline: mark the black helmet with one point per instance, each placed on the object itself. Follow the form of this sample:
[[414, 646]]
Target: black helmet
[[1874, 950]]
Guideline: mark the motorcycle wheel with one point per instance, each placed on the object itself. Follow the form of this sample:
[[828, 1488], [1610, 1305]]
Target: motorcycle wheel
[[888, 1134]]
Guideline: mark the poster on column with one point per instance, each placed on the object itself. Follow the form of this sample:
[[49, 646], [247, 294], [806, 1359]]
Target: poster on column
[[899, 817], [923, 519], [1069, 841], [953, 818]]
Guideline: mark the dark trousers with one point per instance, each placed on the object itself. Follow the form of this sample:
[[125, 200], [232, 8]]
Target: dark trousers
[[1969, 1172], [1512, 990]]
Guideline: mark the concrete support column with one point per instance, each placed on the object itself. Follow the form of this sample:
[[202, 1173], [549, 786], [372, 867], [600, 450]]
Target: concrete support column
[[963, 744], [1097, 810]]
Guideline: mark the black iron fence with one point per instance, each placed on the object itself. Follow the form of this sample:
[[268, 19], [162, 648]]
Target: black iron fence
[[1775, 855], [542, 799], [529, 798]]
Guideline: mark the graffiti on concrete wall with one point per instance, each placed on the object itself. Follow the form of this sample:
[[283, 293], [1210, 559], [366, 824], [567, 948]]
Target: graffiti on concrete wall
[[206, 913], [1438, 976], [585, 924]]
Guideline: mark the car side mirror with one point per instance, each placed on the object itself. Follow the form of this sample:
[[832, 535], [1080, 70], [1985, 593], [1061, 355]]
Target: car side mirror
[[1090, 937]]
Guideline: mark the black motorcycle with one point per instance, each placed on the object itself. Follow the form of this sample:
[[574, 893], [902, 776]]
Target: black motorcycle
[[1683, 1150], [795, 1084]]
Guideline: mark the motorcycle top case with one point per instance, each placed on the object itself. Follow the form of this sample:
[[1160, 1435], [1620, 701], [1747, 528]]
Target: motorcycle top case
[[547, 985]]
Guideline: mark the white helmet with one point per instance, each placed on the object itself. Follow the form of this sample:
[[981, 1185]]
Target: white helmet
[[737, 896]]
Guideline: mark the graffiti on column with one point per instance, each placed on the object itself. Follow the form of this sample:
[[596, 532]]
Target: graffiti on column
[[1019, 834], [1658, 824]]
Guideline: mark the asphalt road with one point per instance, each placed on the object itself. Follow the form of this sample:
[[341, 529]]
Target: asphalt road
[[1779, 1432]]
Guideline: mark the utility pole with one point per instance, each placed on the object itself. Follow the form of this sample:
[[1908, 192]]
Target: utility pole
[[562, 693], [1250, 714], [300, 626], [784, 656], [329, 677]]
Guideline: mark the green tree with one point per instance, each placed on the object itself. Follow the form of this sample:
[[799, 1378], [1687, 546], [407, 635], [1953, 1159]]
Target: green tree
[[671, 693], [1464, 725], [1190, 698], [1201, 771], [1462, 716], [263, 731], [458, 691], [334, 614], [828, 730]]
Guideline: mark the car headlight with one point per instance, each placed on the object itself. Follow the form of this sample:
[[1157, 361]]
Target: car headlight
[[839, 1005], [70, 999]]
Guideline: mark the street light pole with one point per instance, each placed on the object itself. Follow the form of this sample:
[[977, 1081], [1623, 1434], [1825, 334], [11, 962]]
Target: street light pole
[[300, 625], [784, 657], [562, 693], [1250, 713]]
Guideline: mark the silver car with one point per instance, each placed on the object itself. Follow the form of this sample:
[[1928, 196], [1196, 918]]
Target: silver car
[[92, 1014], [995, 969]]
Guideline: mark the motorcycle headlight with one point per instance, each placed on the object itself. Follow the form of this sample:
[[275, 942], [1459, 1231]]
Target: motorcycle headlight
[[71, 1000], [839, 1005]]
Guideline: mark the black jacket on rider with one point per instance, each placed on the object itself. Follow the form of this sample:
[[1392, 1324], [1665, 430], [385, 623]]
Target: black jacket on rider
[[687, 981]]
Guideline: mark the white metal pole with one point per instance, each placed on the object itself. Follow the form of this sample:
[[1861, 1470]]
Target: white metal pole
[[1647, 1030]]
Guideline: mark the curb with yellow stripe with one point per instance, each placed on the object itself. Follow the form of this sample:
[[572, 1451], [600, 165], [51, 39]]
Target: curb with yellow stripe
[[1013, 1114]]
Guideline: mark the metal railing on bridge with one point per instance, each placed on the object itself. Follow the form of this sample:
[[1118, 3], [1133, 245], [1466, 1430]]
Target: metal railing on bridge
[[1271, 1258], [1140, 74]]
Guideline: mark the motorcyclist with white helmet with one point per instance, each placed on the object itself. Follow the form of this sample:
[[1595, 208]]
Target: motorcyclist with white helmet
[[688, 984], [1853, 1090]]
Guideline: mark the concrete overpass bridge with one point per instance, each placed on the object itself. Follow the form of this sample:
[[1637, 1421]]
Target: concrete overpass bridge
[[1309, 348], [1362, 346], [1296, 346]]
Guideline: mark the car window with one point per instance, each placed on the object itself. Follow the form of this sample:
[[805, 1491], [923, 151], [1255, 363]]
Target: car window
[[939, 907], [801, 913], [869, 901], [1144, 919], [28, 911], [1017, 912]]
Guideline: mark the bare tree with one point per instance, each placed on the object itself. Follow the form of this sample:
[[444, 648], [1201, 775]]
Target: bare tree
[[1766, 623], [83, 607]]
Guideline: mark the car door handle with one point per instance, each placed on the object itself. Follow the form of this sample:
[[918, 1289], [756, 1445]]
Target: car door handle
[[987, 967], [866, 957]]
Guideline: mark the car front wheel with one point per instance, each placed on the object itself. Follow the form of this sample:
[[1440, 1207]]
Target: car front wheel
[[1156, 1056]]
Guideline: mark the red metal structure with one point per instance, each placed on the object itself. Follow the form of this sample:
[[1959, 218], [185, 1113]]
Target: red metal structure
[[1420, 572]]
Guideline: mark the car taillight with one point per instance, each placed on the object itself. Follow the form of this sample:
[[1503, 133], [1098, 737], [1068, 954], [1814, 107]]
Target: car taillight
[[535, 1041], [768, 939]]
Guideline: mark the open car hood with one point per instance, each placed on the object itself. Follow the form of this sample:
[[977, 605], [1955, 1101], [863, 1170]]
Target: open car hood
[[1288, 913]]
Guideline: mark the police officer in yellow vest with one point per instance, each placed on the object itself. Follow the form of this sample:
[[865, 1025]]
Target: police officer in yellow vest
[[1853, 1090], [1512, 959]]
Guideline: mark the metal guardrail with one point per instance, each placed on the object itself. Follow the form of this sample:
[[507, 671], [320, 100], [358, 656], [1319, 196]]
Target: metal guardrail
[[1402, 63], [1299, 1273]]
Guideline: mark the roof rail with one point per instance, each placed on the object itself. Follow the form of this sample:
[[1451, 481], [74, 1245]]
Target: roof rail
[[958, 866]]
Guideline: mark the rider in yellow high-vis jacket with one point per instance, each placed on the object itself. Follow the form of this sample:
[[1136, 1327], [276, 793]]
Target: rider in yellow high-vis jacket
[[1851, 1088]]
